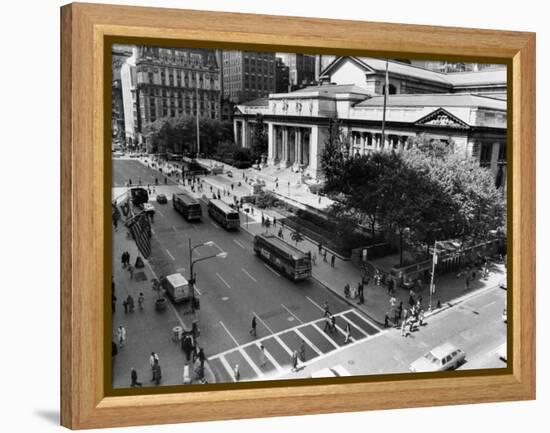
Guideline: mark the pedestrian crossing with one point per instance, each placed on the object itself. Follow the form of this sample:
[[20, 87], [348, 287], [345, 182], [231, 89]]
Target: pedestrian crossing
[[312, 339]]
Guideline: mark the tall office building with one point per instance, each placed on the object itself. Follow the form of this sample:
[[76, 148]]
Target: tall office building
[[248, 75]]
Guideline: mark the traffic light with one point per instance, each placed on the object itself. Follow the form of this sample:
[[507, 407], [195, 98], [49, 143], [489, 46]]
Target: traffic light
[[197, 303]]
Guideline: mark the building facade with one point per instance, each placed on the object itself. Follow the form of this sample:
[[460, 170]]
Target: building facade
[[298, 122], [301, 69], [160, 83], [282, 75], [248, 75]]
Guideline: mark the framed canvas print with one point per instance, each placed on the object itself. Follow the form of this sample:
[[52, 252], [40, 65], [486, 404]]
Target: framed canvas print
[[268, 216]]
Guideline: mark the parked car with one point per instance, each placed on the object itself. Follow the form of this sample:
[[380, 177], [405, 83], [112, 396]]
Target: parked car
[[162, 199], [441, 358]]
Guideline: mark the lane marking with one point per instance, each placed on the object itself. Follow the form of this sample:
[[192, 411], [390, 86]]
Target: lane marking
[[214, 224], [197, 289], [174, 228], [330, 340], [227, 367], [229, 333], [250, 276], [225, 282], [313, 346], [161, 214], [315, 303], [353, 325], [283, 345], [270, 358], [272, 270], [171, 256], [258, 372], [239, 244], [194, 226], [218, 247], [263, 323], [292, 314]]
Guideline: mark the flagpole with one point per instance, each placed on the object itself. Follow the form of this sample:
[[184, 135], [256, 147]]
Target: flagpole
[[198, 111], [386, 85]]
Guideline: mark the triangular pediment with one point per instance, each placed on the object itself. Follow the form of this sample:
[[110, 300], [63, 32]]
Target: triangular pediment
[[338, 61], [441, 118]]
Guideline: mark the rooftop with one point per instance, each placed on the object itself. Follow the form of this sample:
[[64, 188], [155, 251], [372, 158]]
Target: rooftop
[[258, 102], [334, 89], [435, 100]]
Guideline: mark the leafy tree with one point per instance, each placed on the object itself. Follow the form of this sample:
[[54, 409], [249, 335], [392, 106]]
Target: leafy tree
[[259, 138]]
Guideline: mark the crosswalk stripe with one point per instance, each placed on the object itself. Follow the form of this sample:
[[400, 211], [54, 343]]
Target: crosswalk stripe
[[227, 368], [252, 364], [355, 326], [313, 346], [271, 359], [330, 340], [283, 345]]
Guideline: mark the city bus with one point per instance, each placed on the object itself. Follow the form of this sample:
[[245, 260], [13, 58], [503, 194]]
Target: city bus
[[186, 205], [223, 214], [292, 262]]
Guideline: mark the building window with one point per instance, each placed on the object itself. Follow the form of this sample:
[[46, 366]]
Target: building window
[[485, 154]]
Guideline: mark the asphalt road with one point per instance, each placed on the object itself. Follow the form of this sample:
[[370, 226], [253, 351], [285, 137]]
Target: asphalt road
[[235, 289]]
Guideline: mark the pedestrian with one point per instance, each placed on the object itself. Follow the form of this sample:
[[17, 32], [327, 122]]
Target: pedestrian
[[280, 234], [113, 301], [123, 259], [400, 308], [130, 302], [325, 255], [141, 299], [348, 334], [157, 373], [201, 358], [390, 286], [332, 260], [421, 318], [125, 305], [360, 288], [236, 373], [121, 335], [333, 323], [131, 271], [327, 324], [467, 283], [253, 327], [134, 378], [263, 358], [295, 360], [346, 290], [393, 301], [361, 299], [274, 221], [320, 246], [326, 309], [396, 316], [403, 329], [386, 320], [303, 351], [154, 357], [314, 258], [263, 220]]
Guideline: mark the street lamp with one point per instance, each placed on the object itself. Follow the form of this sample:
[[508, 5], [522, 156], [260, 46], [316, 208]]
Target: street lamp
[[220, 255], [432, 285]]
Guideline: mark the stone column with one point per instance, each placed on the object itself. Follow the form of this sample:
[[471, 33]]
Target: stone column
[[270, 144], [285, 147], [244, 134], [299, 144]]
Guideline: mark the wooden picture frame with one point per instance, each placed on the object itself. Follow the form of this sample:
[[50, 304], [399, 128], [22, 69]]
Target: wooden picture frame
[[85, 221]]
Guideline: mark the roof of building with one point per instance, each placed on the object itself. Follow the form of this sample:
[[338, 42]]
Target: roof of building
[[436, 100], [471, 78], [484, 77], [258, 102], [334, 89]]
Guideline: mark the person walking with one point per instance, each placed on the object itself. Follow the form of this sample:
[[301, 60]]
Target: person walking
[[314, 258], [295, 361], [121, 335], [326, 309], [403, 329], [131, 304], [123, 259], [467, 283], [134, 378], [327, 324], [186, 345], [141, 299], [131, 271], [263, 357], [332, 261], [386, 320], [346, 291], [320, 246], [253, 327], [157, 373], [333, 324], [303, 351], [236, 373], [152, 359], [274, 222], [325, 255], [201, 358], [348, 334], [113, 301]]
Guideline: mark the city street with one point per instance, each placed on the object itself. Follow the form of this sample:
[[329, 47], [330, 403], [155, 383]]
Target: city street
[[289, 315]]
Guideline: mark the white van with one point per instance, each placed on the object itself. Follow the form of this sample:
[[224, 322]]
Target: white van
[[177, 287]]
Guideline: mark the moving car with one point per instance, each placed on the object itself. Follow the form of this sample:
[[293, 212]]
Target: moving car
[[162, 199], [443, 357]]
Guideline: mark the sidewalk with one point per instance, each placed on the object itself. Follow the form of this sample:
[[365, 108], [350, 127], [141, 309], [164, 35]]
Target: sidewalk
[[147, 330]]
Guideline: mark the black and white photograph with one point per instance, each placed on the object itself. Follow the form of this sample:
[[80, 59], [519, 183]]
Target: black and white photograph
[[283, 216]]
